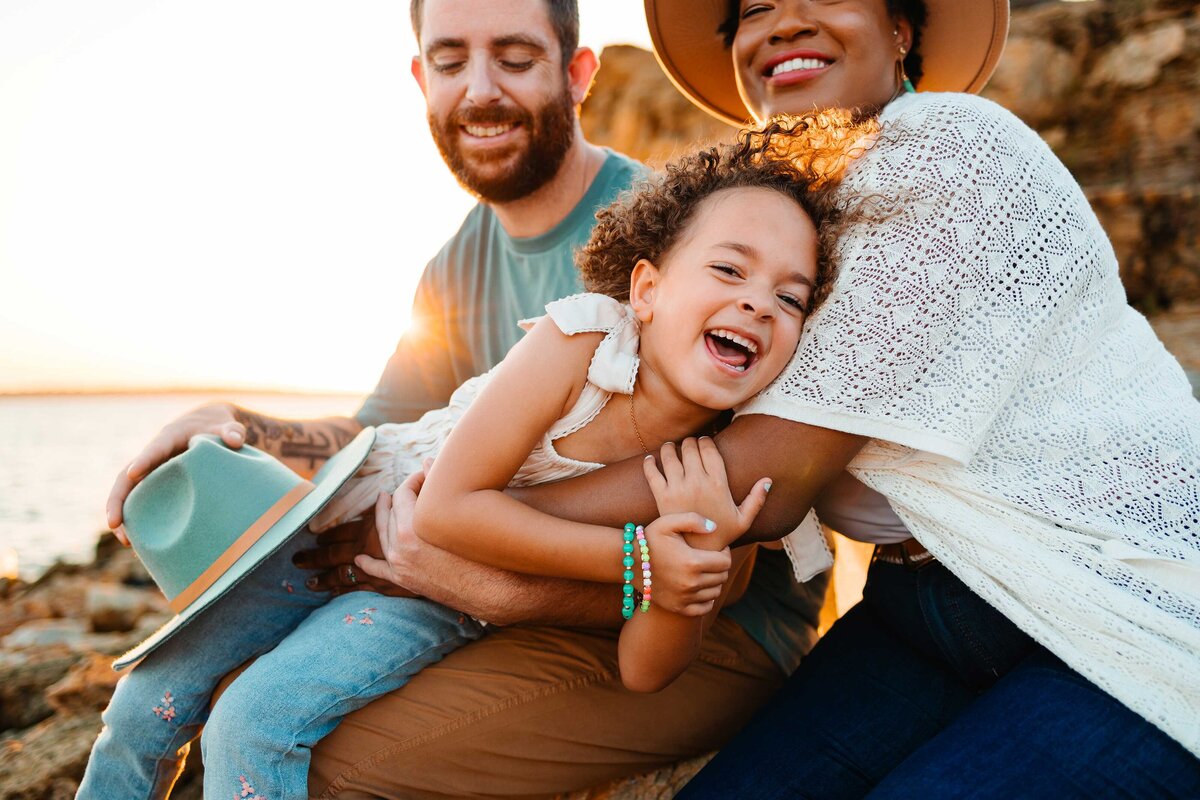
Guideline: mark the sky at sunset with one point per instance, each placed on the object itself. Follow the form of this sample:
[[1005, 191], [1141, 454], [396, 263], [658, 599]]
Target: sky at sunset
[[233, 193]]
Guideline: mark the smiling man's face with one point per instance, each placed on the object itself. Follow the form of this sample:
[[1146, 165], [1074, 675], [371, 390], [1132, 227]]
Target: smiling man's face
[[499, 103]]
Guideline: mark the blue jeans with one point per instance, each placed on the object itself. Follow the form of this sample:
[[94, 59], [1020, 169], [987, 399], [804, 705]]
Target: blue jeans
[[923, 690], [317, 660]]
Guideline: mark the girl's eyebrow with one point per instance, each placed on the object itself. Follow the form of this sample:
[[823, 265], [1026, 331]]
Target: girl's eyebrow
[[750, 252]]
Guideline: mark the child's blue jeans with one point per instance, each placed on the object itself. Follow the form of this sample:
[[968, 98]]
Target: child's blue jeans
[[317, 660]]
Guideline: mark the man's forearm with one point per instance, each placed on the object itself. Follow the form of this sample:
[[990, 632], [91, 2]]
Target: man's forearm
[[301, 444], [509, 598]]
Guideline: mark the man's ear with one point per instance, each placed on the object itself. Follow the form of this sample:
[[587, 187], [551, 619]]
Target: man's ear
[[643, 287], [581, 71], [418, 73]]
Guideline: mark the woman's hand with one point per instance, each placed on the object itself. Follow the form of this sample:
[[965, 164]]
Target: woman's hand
[[694, 480], [686, 580]]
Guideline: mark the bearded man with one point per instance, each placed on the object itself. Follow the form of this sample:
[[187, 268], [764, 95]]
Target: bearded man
[[526, 710]]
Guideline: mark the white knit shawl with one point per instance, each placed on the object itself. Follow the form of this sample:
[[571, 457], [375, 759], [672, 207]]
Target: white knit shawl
[[1027, 425]]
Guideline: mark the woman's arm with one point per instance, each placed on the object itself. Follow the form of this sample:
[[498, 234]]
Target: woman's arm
[[800, 459]]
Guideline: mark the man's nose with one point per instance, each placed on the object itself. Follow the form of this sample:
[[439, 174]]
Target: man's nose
[[482, 88]]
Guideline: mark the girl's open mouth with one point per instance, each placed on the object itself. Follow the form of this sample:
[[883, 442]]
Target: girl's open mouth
[[736, 352]]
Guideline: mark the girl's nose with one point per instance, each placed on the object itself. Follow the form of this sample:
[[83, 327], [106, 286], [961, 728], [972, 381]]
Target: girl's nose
[[756, 307], [792, 22]]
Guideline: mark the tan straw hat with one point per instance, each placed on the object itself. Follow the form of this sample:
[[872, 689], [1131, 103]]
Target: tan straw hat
[[961, 43]]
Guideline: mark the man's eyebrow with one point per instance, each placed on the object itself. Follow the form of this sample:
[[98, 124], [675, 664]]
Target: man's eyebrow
[[518, 39], [750, 252], [444, 44]]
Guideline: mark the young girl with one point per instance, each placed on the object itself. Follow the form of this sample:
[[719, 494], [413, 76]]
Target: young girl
[[707, 276]]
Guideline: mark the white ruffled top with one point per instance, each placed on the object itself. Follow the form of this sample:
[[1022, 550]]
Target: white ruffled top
[[400, 448]]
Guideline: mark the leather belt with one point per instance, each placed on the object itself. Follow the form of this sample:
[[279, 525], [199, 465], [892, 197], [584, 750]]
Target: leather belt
[[909, 553]]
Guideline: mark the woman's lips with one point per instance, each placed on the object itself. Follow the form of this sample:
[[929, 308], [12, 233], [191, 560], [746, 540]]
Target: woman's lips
[[796, 67]]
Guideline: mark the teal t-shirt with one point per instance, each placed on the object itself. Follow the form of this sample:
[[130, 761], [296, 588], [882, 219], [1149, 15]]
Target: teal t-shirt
[[464, 322]]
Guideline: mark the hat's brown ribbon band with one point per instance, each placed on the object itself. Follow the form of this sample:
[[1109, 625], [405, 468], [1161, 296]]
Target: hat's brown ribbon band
[[236, 550]]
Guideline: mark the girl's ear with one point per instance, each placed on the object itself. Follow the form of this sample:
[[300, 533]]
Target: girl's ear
[[643, 286]]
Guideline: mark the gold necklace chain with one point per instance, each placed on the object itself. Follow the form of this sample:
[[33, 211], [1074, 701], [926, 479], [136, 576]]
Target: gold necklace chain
[[633, 419]]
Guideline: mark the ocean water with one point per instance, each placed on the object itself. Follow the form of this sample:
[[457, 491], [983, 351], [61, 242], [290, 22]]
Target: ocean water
[[60, 454]]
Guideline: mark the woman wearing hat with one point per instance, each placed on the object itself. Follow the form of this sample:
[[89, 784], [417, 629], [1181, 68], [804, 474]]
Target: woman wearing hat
[[977, 399]]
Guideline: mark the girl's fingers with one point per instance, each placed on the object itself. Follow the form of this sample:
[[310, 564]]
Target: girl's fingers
[[376, 568], [689, 452], [754, 502], [658, 484], [670, 463], [383, 512], [710, 457], [697, 609]]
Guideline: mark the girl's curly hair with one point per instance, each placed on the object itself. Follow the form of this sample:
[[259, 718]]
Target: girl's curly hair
[[800, 157]]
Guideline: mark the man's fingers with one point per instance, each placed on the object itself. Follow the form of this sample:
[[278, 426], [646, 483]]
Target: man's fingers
[[114, 508], [410, 485], [383, 511], [233, 434]]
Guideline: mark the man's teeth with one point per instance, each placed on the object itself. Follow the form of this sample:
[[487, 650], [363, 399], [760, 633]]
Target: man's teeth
[[485, 131], [798, 64], [733, 337]]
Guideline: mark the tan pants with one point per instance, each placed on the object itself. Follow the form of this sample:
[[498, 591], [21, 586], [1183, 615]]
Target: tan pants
[[528, 712]]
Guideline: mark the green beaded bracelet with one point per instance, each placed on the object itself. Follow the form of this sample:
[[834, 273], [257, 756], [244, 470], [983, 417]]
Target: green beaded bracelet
[[627, 599]]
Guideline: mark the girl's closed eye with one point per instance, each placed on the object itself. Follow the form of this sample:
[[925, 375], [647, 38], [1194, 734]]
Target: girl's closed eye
[[727, 269], [793, 303]]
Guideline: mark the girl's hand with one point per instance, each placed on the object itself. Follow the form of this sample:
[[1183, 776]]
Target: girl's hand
[[686, 580], [694, 480]]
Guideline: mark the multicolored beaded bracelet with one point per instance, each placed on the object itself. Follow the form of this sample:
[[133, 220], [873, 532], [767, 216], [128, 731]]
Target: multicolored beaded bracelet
[[627, 601], [640, 532]]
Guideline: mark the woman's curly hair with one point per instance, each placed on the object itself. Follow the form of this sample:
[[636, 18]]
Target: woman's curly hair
[[800, 157]]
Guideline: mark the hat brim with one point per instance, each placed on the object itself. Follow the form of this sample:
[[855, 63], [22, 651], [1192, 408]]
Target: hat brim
[[961, 43], [326, 482]]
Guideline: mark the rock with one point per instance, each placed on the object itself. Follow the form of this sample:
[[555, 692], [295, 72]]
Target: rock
[[659, 784], [23, 681], [1034, 79], [43, 632], [86, 687], [113, 607], [48, 760], [1137, 61]]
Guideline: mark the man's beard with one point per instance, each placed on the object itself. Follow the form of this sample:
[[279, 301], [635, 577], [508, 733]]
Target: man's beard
[[550, 135]]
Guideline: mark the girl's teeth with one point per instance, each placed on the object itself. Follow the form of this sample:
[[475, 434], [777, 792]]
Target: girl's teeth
[[796, 65], [733, 337]]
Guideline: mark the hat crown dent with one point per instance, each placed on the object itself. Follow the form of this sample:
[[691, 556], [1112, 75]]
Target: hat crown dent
[[188, 512]]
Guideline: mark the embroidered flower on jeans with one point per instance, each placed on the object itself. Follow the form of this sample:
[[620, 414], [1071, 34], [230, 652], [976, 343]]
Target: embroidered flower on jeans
[[165, 710], [247, 792], [364, 620], [287, 585]]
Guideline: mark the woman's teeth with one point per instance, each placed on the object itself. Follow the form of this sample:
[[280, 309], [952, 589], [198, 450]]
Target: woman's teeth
[[484, 131], [797, 65]]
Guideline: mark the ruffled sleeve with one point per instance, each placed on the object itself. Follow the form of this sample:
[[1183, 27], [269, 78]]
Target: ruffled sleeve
[[615, 363]]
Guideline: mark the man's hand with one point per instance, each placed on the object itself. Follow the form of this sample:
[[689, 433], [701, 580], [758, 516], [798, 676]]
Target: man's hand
[[695, 480], [214, 418], [334, 554]]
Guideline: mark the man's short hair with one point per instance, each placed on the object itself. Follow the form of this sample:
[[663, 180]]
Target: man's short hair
[[564, 18]]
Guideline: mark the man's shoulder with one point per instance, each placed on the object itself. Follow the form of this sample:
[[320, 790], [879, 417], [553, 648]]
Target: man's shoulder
[[469, 238], [625, 171]]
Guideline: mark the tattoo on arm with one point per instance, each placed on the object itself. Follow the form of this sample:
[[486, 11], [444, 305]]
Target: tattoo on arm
[[310, 441]]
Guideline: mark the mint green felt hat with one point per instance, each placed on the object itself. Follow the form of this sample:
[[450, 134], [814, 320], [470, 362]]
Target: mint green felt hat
[[203, 520]]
